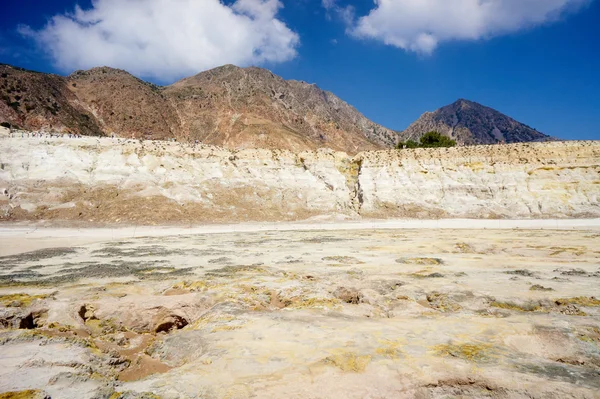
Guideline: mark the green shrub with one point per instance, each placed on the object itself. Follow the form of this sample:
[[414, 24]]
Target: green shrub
[[412, 144], [428, 140], [435, 139]]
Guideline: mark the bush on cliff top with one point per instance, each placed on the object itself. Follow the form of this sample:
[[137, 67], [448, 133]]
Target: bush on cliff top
[[428, 140]]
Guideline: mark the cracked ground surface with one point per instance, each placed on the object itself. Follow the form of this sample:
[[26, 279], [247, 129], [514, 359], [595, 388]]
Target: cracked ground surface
[[312, 314]]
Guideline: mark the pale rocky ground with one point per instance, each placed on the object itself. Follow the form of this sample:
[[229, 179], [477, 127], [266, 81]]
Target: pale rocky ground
[[338, 306], [105, 181], [371, 313]]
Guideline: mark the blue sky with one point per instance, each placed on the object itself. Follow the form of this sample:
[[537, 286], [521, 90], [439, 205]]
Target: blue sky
[[535, 60]]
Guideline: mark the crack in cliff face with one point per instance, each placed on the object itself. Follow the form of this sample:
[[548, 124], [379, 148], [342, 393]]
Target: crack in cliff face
[[358, 191], [302, 163], [352, 173]]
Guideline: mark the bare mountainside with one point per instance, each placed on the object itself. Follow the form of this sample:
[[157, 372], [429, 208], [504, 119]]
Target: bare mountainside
[[470, 123], [227, 106], [124, 104], [252, 107], [101, 180], [42, 101]]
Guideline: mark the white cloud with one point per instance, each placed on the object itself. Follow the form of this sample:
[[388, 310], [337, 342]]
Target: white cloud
[[345, 13], [420, 25], [167, 39]]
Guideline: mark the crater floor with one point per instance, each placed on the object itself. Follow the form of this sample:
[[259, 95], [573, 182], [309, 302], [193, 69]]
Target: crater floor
[[394, 313]]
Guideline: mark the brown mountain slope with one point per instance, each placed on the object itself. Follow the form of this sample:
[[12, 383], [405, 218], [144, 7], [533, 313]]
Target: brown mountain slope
[[123, 104], [36, 101], [471, 123], [229, 106], [252, 107]]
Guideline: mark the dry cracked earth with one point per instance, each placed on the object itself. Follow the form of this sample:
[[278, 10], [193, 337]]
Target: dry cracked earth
[[321, 314]]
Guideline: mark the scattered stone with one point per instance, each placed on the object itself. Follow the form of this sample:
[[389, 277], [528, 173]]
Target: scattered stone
[[86, 312], [348, 295], [14, 318], [571, 310], [434, 275], [522, 272], [169, 323], [580, 300], [442, 302], [576, 272]]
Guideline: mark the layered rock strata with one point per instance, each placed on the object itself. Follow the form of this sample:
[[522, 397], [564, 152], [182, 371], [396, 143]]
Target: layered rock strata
[[100, 180]]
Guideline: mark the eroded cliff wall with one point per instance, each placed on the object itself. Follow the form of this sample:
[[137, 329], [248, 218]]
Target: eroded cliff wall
[[101, 180]]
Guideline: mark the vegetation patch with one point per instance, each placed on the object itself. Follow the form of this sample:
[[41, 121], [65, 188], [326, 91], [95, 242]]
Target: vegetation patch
[[431, 139]]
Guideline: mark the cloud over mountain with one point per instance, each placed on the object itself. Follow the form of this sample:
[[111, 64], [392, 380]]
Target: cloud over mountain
[[421, 25], [167, 39]]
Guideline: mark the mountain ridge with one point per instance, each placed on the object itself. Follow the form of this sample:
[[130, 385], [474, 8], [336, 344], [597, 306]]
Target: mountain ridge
[[229, 106]]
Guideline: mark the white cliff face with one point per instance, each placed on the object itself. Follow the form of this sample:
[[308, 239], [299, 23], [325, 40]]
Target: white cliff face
[[106, 181], [522, 180]]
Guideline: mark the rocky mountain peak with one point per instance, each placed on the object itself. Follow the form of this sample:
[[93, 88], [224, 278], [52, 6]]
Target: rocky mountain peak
[[470, 123]]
